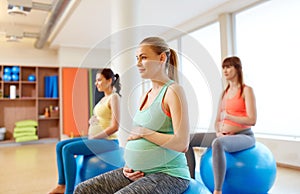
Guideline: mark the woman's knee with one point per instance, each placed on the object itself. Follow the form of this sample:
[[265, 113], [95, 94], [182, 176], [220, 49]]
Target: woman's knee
[[217, 144], [67, 149], [59, 146]]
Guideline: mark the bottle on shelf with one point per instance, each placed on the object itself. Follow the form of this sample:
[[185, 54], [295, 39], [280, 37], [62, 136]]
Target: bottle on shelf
[[47, 112]]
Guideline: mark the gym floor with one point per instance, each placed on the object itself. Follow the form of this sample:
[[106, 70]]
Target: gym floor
[[32, 169]]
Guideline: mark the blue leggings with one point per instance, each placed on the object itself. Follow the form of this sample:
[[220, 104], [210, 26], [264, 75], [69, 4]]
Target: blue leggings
[[66, 163]]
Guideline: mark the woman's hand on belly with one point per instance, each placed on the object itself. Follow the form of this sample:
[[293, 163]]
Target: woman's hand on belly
[[139, 132], [132, 175], [230, 129], [93, 120], [223, 133], [135, 133]]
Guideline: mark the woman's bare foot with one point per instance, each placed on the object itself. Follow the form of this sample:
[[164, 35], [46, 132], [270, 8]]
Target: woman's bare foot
[[60, 189]]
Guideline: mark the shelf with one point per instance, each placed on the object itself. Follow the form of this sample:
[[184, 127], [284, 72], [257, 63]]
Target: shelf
[[17, 82], [10, 82], [29, 102], [43, 98], [6, 143], [48, 118], [31, 98], [27, 82], [18, 99]]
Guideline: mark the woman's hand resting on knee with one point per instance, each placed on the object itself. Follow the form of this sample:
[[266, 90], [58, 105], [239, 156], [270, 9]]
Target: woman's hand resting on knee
[[130, 174]]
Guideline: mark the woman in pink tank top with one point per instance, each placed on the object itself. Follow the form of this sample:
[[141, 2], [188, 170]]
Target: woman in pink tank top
[[237, 110], [236, 114]]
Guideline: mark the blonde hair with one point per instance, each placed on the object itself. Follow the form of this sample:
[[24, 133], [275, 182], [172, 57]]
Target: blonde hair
[[159, 45]]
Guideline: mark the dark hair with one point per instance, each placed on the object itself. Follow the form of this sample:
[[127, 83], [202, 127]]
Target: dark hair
[[237, 64], [109, 74], [159, 45]]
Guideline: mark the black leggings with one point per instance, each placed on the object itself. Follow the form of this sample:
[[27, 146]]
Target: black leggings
[[197, 140]]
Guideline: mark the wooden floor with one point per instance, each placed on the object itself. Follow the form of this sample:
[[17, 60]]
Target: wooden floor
[[28, 169], [31, 169]]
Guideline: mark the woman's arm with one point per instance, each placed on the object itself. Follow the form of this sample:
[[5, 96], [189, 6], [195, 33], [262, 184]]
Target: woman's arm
[[218, 116], [219, 119], [115, 119], [175, 103], [250, 119]]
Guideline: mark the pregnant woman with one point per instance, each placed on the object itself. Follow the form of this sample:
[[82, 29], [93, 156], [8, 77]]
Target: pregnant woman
[[154, 153]]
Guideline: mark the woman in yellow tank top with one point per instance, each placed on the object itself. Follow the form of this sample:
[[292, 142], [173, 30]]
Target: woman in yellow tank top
[[101, 135]]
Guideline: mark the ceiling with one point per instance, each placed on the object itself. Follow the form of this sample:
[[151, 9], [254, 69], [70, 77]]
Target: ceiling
[[84, 22]]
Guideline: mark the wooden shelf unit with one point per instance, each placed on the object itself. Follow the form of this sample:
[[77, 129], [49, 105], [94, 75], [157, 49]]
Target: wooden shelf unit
[[30, 101]]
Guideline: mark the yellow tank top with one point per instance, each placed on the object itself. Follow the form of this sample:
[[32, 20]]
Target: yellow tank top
[[103, 113]]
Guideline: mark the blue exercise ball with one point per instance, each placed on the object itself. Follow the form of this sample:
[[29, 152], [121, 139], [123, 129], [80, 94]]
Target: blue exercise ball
[[196, 187], [7, 70], [14, 77], [93, 165], [15, 70], [251, 171], [6, 77], [31, 78]]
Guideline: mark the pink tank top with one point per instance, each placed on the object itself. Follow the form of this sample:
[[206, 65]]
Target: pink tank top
[[235, 106]]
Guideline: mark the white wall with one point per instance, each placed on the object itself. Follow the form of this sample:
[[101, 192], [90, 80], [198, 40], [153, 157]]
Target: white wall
[[83, 57], [24, 53], [285, 151], [17, 53]]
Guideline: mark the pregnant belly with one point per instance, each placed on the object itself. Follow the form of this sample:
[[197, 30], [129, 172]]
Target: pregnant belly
[[145, 156]]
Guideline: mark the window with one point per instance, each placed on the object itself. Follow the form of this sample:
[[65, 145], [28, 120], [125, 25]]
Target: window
[[268, 43], [209, 37], [200, 55]]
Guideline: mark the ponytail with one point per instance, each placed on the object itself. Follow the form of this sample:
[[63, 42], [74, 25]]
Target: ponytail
[[116, 83], [172, 65]]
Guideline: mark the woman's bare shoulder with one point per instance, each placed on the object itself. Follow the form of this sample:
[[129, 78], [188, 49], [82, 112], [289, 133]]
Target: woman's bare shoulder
[[248, 89], [175, 89]]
